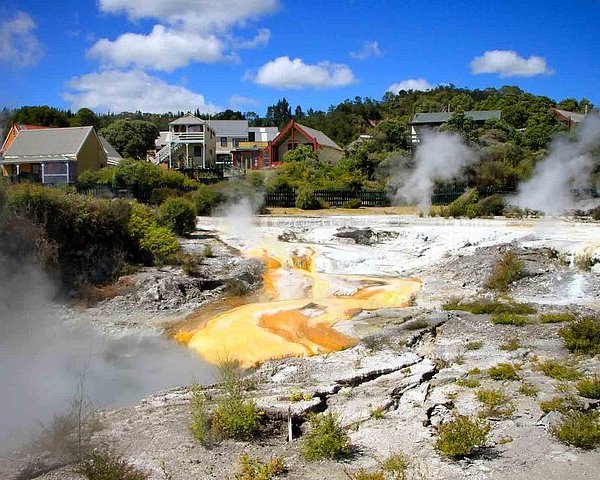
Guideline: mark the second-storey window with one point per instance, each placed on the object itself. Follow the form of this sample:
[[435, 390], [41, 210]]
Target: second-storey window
[[223, 141]]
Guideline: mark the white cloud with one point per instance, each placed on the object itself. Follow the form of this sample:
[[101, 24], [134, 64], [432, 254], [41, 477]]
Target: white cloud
[[368, 49], [286, 73], [18, 45], [262, 38], [163, 49], [419, 84], [508, 63], [202, 15], [134, 90], [237, 101]]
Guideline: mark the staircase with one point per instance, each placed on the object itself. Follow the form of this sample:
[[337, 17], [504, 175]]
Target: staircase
[[165, 154]]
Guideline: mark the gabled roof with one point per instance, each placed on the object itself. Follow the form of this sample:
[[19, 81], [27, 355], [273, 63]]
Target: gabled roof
[[230, 128], [572, 116], [113, 157], [49, 142], [443, 117], [321, 138], [188, 119], [162, 139], [264, 134]]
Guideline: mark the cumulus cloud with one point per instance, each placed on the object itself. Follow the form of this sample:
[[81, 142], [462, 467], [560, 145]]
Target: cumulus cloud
[[163, 49], [284, 72], [202, 15], [367, 50], [131, 91], [419, 84], [237, 101], [262, 38], [507, 63], [18, 44]]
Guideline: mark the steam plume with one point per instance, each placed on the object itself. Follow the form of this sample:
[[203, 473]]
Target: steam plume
[[440, 156], [569, 165]]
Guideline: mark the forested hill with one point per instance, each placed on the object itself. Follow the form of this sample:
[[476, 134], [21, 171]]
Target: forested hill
[[521, 111]]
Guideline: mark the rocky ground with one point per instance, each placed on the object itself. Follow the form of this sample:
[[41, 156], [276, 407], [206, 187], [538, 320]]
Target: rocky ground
[[413, 369]]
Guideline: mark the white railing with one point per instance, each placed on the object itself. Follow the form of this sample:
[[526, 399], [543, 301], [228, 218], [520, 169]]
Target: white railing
[[185, 137]]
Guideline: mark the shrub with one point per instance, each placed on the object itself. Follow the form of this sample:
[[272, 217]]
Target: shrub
[[468, 382], [352, 203], [395, 466], [506, 271], [206, 198], [582, 336], [589, 387], [461, 436], [325, 438], [509, 319], [504, 371], [160, 242], [557, 317], [528, 390], [106, 465], [462, 205], [496, 403], [363, 474], [178, 214], [554, 404], [483, 306], [306, 200], [297, 395], [236, 416], [579, 429], [255, 469], [559, 370], [511, 345], [491, 206], [474, 345], [159, 195], [201, 424]]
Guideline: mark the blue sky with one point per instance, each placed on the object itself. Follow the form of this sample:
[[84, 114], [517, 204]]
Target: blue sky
[[163, 55]]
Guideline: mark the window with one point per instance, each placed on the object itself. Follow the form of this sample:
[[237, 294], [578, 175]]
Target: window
[[197, 151], [252, 136], [236, 142], [223, 141]]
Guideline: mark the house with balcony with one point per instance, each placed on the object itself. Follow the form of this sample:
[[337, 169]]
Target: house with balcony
[[190, 143], [53, 155], [230, 133], [254, 154], [430, 120], [294, 134]]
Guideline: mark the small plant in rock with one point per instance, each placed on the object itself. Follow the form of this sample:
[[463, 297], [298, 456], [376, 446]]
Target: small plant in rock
[[507, 270], [589, 387], [483, 306], [511, 345], [579, 429], [468, 382], [495, 402], [202, 425], [377, 413], [250, 468], [461, 436], [557, 317], [553, 404], [509, 319], [297, 395], [474, 371], [558, 370], [363, 474], [474, 345], [395, 466], [504, 371], [582, 336], [529, 390], [207, 251], [325, 439], [107, 465], [584, 261]]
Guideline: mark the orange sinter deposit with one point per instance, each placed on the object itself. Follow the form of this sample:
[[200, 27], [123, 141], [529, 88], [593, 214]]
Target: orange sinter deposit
[[298, 314]]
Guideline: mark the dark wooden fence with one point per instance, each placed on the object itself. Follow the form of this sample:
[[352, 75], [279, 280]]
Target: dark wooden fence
[[446, 195], [335, 198]]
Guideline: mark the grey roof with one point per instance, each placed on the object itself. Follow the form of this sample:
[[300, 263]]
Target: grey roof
[[230, 128], [188, 119], [269, 132], [162, 139], [51, 142], [112, 155], [574, 117], [323, 139], [443, 117]]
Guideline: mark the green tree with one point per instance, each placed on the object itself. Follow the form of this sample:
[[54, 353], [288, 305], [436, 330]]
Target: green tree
[[279, 114], [84, 118], [131, 138], [44, 116]]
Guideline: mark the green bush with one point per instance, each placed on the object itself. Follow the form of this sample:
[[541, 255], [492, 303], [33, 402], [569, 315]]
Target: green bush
[[589, 387], [468, 382], [582, 336], [160, 242], [503, 371], [395, 466], [178, 214], [325, 438], [237, 417], [495, 402], [461, 436], [579, 429], [483, 306], [106, 465], [206, 198], [554, 404], [306, 200], [250, 468], [506, 271], [511, 345], [558, 370], [352, 203], [528, 390], [509, 319], [491, 206], [159, 195], [557, 317], [474, 345], [463, 205]]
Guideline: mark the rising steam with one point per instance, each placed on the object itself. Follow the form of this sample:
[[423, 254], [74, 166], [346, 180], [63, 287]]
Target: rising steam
[[440, 156], [569, 165]]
